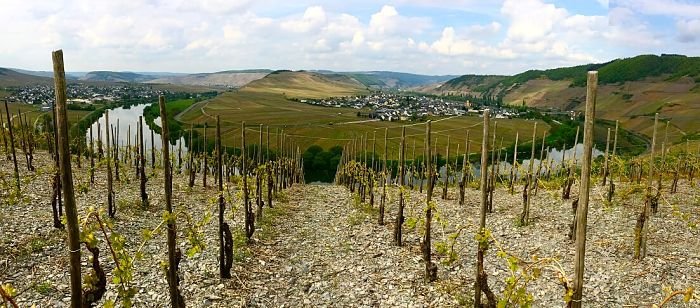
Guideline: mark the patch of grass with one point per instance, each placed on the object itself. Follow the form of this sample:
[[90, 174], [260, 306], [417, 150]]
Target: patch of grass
[[37, 245], [282, 197], [270, 216], [356, 218], [44, 288], [124, 203], [459, 291], [240, 246]]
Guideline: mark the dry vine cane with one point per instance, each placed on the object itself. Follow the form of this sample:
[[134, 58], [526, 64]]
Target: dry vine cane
[[521, 274], [122, 275]]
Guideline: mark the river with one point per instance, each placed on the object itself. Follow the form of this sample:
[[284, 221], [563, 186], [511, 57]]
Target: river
[[128, 117]]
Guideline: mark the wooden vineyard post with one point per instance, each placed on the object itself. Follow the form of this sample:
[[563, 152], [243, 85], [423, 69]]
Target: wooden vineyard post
[[137, 150], [640, 231], [447, 169], [484, 186], [115, 147], [111, 207], [127, 157], [116, 150], [515, 163], [399, 216], [153, 151], [492, 180], [371, 174], [430, 267], [280, 160], [374, 147], [382, 201], [413, 166], [142, 166], [206, 155], [498, 160], [179, 156], [258, 177], [566, 193], [607, 158], [525, 216], [611, 187], [270, 182], [247, 206], [584, 189], [12, 141], [23, 142], [662, 169], [4, 139], [190, 153], [267, 143], [67, 179], [539, 165], [454, 178], [31, 142], [92, 159], [100, 151], [225, 236], [463, 182], [56, 195], [176, 299]]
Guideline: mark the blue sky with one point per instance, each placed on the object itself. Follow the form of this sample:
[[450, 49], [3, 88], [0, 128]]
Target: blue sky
[[420, 36]]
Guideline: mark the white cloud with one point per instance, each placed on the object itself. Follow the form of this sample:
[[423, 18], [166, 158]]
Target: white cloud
[[384, 21], [450, 44], [689, 30], [473, 36], [313, 18], [531, 20]]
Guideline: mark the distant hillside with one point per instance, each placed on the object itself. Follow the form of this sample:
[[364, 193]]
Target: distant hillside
[[474, 85], [386, 79], [630, 90], [219, 79], [47, 74], [306, 85], [12, 78], [109, 76]]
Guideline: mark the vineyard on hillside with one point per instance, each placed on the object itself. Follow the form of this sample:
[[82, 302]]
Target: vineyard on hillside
[[102, 224]]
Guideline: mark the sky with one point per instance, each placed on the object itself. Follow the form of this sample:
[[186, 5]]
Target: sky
[[419, 36]]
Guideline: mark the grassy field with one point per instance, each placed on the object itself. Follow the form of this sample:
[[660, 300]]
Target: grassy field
[[33, 112], [308, 125]]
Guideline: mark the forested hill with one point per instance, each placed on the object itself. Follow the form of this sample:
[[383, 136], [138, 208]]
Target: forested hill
[[631, 90], [636, 68]]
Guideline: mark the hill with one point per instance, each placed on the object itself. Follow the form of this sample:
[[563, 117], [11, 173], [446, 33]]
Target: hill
[[393, 80], [12, 78], [230, 79], [306, 85], [109, 76], [269, 101], [474, 85], [630, 90]]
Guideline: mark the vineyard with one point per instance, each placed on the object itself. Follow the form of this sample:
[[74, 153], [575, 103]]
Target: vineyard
[[111, 225]]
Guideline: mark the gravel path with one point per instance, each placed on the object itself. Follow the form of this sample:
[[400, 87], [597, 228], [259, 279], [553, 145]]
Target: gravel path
[[330, 252]]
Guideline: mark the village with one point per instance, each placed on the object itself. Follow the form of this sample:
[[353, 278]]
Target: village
[[400, 107], [79, 93]]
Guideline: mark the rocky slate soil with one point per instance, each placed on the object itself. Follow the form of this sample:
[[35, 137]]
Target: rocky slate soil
[[317, 247]]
